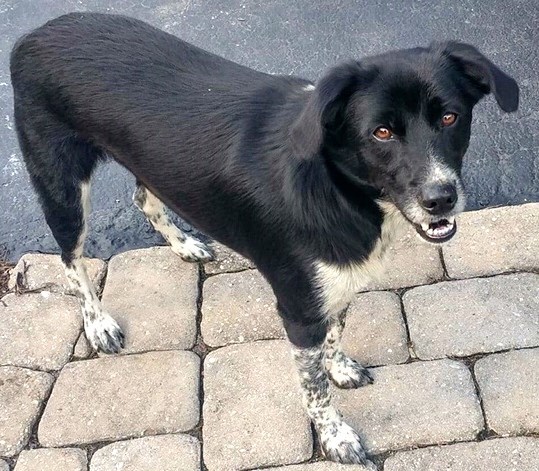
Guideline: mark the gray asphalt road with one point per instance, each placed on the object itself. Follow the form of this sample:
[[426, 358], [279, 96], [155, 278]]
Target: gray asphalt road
[[301, 37]]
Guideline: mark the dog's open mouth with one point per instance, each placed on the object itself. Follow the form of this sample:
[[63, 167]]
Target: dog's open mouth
[[439, 231]]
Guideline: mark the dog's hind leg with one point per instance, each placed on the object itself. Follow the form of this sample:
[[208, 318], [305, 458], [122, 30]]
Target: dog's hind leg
[[345, 372], [187, 247], [60, 165], [101, 330]]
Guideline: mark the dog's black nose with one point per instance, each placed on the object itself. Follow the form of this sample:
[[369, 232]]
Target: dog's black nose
[[439, 199]]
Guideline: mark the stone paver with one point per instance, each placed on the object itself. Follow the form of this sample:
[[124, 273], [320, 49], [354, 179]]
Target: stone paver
[[163, 453], [43, 459], [38, 330], [252, 408], [239, 307], [22, 393], [82, 348], [118, 397], [152, 294], [414, 404], [460, 318], [252, 412], [504, 454], [409, 261], [509, 384], [494, 241], [47, 271], [375, 333], [226, 260]]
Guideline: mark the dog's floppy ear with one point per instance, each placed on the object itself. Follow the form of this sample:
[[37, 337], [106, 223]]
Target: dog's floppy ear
[[324, 108], [485, 75]]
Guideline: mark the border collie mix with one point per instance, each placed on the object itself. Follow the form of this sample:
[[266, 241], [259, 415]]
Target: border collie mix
[[309, 181]]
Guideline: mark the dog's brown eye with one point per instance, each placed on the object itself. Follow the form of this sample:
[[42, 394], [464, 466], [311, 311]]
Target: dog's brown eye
[[383, 134], [448, 119]]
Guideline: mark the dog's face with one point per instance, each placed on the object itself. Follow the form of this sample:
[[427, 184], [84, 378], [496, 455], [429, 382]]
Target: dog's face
[[400, 123]]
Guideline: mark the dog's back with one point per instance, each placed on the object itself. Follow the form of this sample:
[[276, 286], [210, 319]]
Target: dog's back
[[87, 85]]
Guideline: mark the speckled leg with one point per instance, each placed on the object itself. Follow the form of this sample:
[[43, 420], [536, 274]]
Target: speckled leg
[[187, 247], [342, 370], [338, 440]]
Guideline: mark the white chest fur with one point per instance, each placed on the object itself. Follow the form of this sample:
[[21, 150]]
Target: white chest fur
[[339, 283]]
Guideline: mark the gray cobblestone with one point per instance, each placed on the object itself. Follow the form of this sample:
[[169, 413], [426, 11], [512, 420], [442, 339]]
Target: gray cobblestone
[[415, 404], [237, 308], [38, 330], [226, 261], [375, 333], [52, 459], [152, 294], [509, 384], [41, 271], [493, 241], [505, 454], [82, 348], [22, 393], [161, 453], [252, 408], [460, 318], [119, 397]]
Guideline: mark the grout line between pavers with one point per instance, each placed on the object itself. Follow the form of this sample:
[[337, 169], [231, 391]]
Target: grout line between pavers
[[410, 345], [241, 270], [202, 350], [486, 432], [403, 289], [33, 441], [11, 462], [442, 262]]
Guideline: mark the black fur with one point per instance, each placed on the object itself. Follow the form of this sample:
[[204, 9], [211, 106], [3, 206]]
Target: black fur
[[282, 175]]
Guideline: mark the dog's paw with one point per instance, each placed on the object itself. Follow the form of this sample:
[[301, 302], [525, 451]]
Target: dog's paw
[[342, 444], [347, 373], [104, 334], [192, 250]]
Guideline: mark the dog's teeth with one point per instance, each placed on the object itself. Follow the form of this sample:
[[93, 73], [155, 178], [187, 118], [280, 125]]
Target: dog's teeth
[[425, 226], [451, 220]]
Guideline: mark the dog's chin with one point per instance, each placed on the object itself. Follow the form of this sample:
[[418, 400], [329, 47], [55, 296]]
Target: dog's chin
[[437, 232]]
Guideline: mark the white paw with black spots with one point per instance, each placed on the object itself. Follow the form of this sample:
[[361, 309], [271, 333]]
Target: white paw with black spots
[[104, 334], [192, 250], [341, 443], [347, 373]]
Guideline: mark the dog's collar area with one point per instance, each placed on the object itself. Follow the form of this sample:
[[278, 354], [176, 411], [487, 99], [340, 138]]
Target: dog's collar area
[[439, 231]]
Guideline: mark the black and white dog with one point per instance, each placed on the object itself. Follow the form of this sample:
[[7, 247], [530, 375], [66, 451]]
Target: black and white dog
[[309, 181]]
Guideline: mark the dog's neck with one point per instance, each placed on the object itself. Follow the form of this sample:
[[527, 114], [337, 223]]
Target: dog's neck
[[334, 213]]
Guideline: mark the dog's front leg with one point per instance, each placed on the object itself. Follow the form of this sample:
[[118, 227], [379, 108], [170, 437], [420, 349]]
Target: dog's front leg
[[345, 372], [338, 440]]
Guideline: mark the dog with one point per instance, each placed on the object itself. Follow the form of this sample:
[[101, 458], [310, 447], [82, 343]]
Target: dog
[[310, 181]]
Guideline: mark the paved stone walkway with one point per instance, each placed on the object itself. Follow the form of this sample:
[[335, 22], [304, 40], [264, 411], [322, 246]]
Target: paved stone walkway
[[206, 381]]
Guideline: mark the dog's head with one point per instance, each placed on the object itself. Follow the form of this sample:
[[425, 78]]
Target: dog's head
[[400, 122]]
